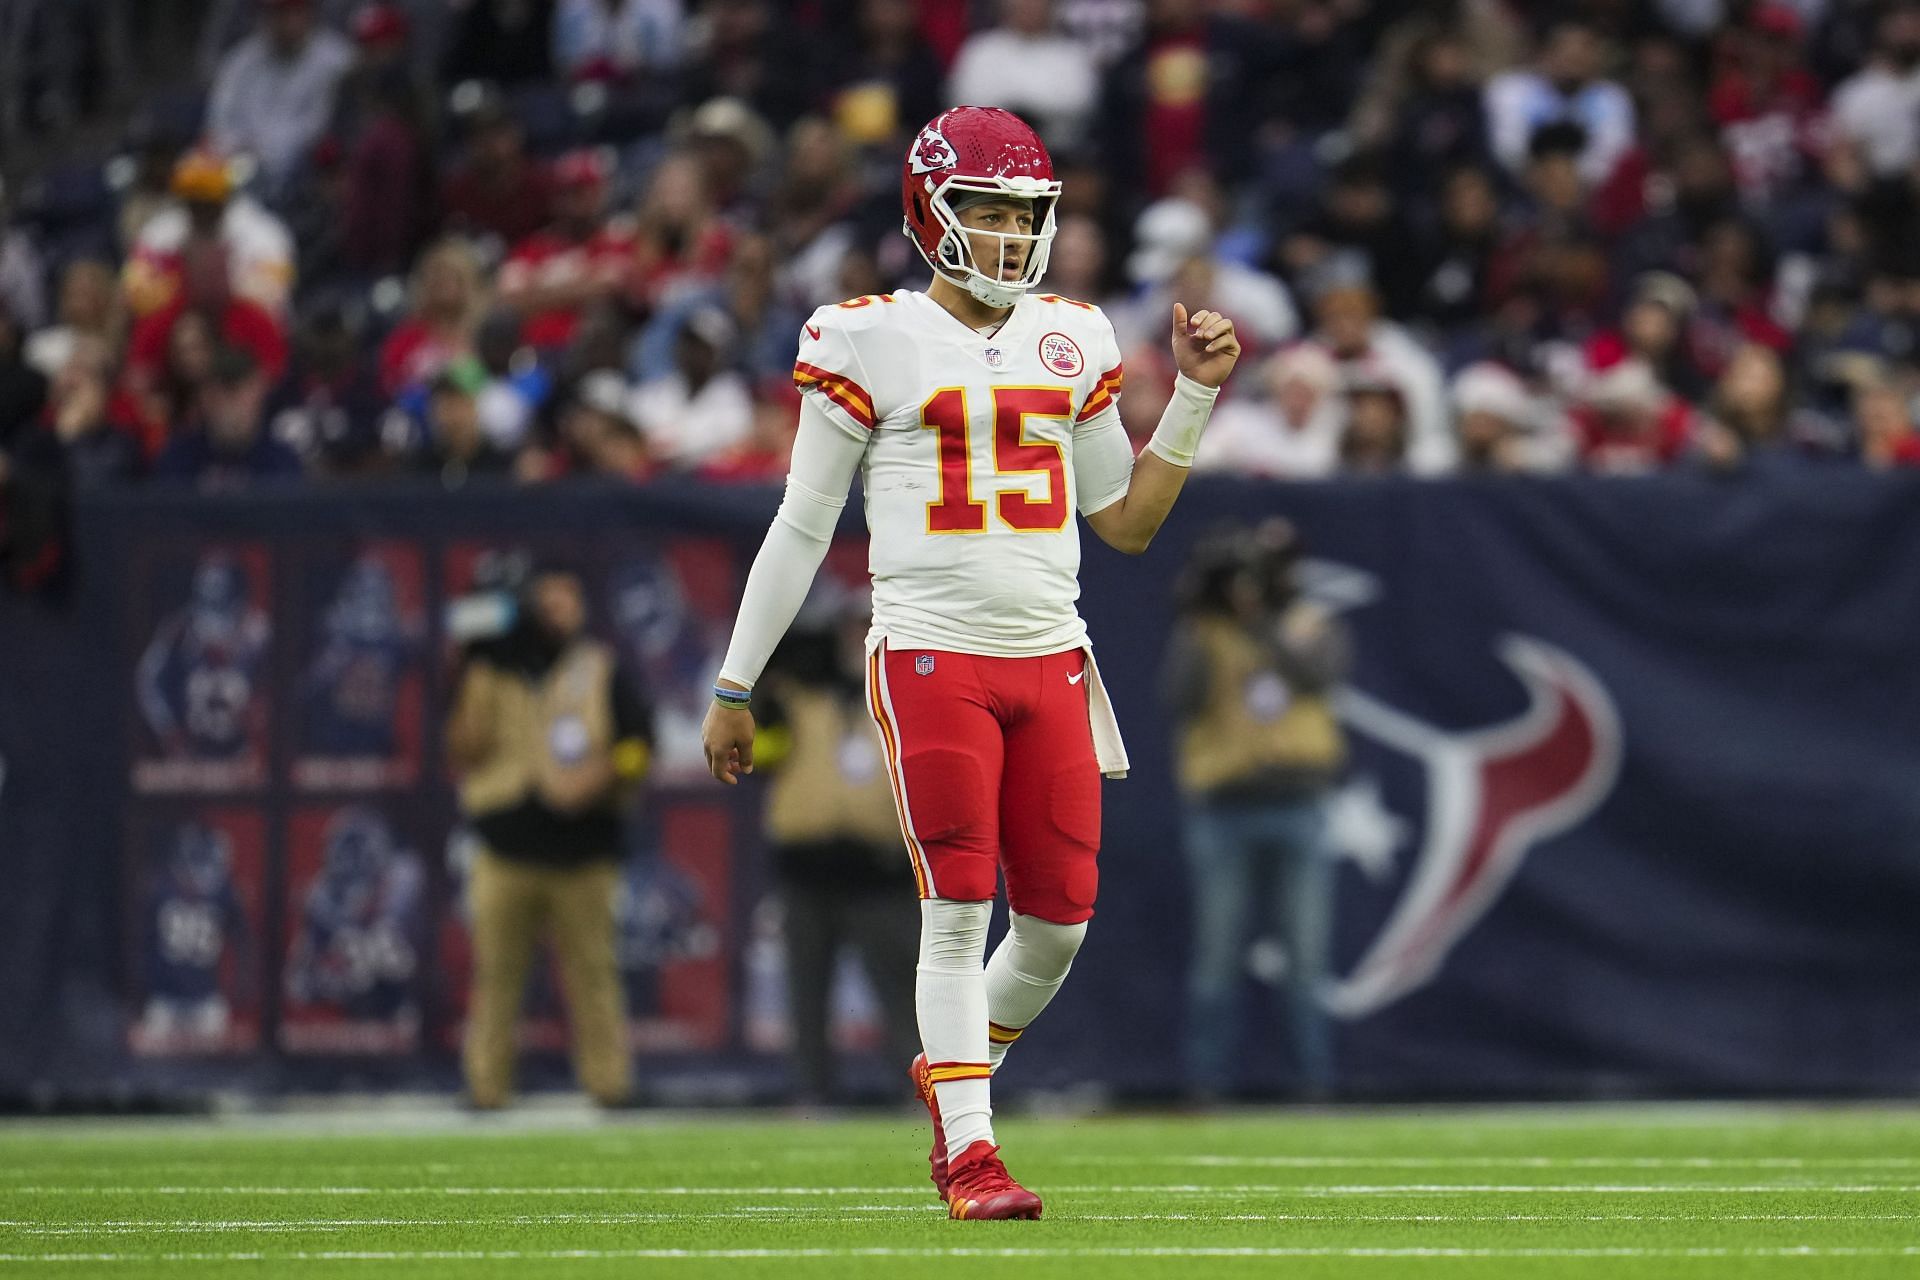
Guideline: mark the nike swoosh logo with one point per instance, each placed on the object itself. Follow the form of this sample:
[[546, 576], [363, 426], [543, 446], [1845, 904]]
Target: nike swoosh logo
[[1076, 677], [812, 332]]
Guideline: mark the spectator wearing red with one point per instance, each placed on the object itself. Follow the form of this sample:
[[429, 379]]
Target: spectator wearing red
[[496, 189], [1736, 297], [1626, 423], [582, 260], [762, 458], [1883, 415], [446, 303], [206, 299], [680, 244], [1767, 104], [206, 208]]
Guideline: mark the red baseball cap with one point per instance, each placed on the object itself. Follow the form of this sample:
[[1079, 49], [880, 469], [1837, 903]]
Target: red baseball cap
[[582, 168], [380, 24]]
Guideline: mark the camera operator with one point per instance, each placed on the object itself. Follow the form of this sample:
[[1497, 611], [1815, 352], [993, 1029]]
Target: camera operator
[[1249, 679], [549, 739]]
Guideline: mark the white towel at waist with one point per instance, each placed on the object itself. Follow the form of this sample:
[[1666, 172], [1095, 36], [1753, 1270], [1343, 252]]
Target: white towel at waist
[[1108, 748]]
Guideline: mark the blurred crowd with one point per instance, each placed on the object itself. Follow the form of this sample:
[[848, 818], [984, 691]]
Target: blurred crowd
[[538, 239]]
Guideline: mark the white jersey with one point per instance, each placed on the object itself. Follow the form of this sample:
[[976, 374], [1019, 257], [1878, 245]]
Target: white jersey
[[969, 469]]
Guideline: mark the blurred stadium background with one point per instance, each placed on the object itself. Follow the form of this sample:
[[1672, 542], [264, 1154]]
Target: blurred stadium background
[[1582, 359]]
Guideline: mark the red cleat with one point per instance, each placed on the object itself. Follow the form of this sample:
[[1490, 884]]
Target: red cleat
[[979, 1186], [937, 1158]]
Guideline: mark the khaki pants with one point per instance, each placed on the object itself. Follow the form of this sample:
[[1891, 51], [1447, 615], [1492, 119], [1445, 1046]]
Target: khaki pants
[[514, 904]]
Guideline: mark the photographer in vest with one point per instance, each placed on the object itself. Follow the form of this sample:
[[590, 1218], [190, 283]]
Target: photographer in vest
[[1250, 676], [549, 740], [842, 870]]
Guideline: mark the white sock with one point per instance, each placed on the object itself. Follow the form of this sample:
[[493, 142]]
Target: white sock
[[1027, 968], [950, 997]]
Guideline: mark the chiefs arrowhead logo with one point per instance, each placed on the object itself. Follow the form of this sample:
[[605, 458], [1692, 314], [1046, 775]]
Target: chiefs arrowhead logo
[[931, 152], [1493, 795]]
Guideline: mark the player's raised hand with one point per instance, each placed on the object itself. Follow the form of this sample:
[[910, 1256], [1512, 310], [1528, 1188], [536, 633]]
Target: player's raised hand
[[727, 736], [1204, 345]]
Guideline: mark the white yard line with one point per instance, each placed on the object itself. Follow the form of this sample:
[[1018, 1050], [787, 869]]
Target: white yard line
[[858, 1213], [1183, 1189], [1193, 1251], [1511, 1162]]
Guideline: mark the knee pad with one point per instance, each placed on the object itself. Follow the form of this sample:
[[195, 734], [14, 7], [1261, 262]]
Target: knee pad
[[1044, 949]]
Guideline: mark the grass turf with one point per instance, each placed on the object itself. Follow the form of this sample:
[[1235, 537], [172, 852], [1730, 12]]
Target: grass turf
[[1639, 1192]]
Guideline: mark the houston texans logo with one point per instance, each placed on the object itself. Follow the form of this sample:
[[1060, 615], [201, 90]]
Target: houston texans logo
[[932, 151], [1493, 795]]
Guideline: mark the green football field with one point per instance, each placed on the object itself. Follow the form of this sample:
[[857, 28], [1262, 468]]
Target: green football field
[[1636, 1192]]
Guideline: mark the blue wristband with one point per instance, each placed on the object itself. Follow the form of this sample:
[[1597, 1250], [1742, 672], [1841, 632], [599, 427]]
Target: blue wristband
[[733, 699]]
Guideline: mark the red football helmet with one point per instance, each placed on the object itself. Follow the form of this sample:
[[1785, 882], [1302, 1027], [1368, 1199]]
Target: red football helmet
[[987, 151]]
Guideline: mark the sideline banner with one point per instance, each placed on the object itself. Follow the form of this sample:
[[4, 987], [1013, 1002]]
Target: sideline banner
[[1633, 806]]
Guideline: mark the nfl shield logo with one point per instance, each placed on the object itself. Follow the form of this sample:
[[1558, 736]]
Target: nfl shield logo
[[923, 665], [995, 357]]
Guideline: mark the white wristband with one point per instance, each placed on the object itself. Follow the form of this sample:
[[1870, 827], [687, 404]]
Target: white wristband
[[1178, 435]]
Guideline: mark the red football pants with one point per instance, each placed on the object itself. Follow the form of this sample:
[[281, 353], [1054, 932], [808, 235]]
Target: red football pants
[[993, 771]]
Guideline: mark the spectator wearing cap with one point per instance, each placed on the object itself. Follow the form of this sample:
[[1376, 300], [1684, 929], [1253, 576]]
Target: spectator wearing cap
[[1175, 256], [1348, 326], [329, 406], [1027, 66], [1883, 419], [1564, 84], [496, 189], [90, 307], [1375, 440], [582, 260], [205, 208], [274, 92], [1626, 423], [703, 408], [1499, 425], [227, 446], [446, 301], [1876, 111], [457, 449], [613, 41], [1655, 327], [1768, 105], [1291, 432]]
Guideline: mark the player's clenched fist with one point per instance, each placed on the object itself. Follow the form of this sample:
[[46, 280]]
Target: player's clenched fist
[[1204, 345], [727, 735]]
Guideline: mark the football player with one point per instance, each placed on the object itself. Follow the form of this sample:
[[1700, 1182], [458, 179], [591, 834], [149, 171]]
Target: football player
[[980, 415]]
